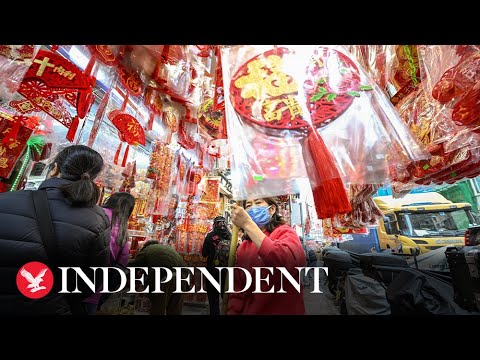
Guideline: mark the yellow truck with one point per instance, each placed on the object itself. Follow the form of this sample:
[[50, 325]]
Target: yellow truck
[[422, 221]]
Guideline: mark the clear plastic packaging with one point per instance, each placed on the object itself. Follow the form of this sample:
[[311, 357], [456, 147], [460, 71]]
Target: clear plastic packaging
[[276, 97], [14, 63], [364, 210], [452, 77]]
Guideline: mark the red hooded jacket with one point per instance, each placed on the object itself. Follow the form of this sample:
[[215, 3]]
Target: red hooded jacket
[[281, 248]]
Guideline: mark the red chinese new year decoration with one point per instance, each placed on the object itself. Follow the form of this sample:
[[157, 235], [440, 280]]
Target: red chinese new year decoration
[[153, 101], [184, 139], [218, 98], [50, 75], [23, 106], [56, 73], [131, 81], [98, 119], [262, 81], [12, 145], [129, 130], [104, 54]]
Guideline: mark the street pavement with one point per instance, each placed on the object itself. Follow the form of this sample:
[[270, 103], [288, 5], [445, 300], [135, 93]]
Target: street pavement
[[315, 304]]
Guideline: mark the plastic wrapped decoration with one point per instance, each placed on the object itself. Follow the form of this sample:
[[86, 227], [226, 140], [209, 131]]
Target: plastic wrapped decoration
[[214, 116], [169, 68], [403, 70], [289, 93], [14, 63], [373, 59], [364, 210], [13, 140], [452, 77], [446, 142]]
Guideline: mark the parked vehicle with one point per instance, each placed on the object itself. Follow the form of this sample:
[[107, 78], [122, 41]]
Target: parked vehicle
[[424, 221]]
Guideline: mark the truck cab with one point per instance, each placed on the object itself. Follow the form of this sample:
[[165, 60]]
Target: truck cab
[[422, 222]]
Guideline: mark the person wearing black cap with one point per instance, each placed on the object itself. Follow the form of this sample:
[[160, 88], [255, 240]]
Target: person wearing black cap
[[219, 232]]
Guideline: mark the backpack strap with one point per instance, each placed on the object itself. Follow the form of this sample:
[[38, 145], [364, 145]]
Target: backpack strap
[[45, 224], [47, 234]]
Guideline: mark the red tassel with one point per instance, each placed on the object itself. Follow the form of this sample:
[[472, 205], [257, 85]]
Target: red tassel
[[125, 156], [150, 121], [73, 129], [117, 154], [329, 193]]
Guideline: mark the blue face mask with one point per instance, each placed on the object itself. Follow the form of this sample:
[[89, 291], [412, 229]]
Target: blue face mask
[[259, 215]]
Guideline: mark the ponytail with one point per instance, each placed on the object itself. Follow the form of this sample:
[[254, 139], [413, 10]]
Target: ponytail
[[81, 165]]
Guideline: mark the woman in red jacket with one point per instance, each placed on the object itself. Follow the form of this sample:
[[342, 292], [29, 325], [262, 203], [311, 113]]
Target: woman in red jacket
[[269, 242]]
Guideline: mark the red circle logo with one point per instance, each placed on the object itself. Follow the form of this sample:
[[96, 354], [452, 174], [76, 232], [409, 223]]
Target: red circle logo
[[34, 280]]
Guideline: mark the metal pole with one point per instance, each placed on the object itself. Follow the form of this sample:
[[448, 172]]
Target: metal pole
[[290, 205], [301, 221], [231, 261]]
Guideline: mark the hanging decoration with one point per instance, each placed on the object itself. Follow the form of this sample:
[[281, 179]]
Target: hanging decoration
[[14, 136], [153, 101], [104, 54], [51, 75], [130, 130], [14, 63], [218, 98], [264, 95]]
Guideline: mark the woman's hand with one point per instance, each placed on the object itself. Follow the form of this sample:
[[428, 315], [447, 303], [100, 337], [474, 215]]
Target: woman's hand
[[240, 216]]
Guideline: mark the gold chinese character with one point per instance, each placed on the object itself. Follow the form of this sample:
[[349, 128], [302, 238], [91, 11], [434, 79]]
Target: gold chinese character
[[59, 69], [2, 150], [71, 76], [272, 113], [133, 128], [6, 131], [3, 163], [259, 82], [26, 106], [43, 64], [14, 144]]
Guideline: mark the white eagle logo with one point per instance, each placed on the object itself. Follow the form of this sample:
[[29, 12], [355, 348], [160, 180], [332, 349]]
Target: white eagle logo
[[34, 285]]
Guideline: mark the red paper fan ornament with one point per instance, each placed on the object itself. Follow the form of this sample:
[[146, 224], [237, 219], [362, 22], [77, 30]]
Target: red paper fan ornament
[[130, 130], [265, 95]]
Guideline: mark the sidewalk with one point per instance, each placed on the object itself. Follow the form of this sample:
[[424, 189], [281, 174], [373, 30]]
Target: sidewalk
[[315, 304], [320, 304]]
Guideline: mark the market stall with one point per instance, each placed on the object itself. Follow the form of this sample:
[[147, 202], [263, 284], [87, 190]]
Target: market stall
[[188, 129]]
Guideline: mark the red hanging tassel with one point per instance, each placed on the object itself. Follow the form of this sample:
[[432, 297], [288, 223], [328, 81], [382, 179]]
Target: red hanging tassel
[[117, 154], [125, 156], [329, 193], [73, 129]]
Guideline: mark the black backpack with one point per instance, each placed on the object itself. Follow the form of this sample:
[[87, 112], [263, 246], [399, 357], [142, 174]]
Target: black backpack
[[222, 251]]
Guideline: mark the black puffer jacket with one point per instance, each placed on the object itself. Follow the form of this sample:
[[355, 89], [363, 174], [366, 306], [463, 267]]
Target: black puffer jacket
[[82, 238]]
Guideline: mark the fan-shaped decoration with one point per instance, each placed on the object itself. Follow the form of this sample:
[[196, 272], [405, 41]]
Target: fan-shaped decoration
[[266, 95]]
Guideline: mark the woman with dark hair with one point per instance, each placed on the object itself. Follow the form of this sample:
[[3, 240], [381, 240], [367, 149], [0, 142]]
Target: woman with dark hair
[[81, 231], [118, 208], [268, 242]]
